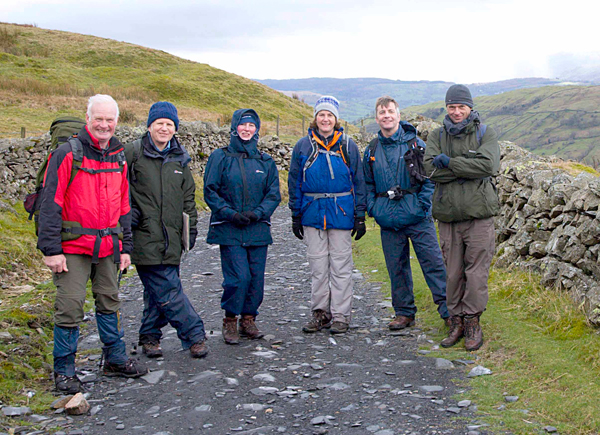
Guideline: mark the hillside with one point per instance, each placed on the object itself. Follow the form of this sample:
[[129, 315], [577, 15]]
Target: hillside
[[44, 73], [560, 120], [358, 95]]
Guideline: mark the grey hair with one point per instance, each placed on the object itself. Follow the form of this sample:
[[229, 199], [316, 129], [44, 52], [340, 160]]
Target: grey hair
[[99, 99]]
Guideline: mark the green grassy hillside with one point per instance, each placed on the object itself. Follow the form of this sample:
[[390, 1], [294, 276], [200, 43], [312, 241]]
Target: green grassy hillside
[[44, 73], [559, 120]]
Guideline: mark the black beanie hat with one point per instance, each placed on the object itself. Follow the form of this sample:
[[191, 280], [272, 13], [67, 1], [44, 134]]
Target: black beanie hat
[[459, 94]]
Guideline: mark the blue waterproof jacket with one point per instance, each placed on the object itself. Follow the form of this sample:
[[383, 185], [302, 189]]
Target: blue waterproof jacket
[[331, 192], [236, 179], [387, 169]]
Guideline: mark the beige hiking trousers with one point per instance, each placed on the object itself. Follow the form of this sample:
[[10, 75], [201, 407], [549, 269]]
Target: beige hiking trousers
[[467, 248], [330, 259]]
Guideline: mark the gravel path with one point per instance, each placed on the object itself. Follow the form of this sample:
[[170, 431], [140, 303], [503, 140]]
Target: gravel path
[[367, 381]]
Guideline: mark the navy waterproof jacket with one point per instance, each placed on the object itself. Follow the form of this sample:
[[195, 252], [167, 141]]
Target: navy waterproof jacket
[[329, 174], [387, 169], [236, 179]]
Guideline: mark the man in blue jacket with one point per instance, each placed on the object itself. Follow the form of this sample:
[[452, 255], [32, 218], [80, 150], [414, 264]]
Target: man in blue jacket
[[400, 202]]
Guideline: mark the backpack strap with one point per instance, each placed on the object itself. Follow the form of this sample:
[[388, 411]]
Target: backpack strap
[[77, 150], [371, 148], [479, 131]]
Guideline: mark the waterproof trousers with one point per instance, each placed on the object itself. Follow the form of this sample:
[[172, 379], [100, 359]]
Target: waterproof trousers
[[68, 310], [396, 249], [330, 259], [166, 303], [243, 278], [468, 248]]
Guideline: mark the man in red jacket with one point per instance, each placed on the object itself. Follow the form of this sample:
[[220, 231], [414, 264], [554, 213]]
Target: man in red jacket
[[85, 232]]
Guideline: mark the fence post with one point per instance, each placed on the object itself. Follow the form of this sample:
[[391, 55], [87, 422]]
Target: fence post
[[346, 126], [303, 124], [23, 132], [218, 122], [277, 125]]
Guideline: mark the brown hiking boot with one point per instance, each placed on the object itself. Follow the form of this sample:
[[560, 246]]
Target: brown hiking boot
[[320, 319], [339, 327], [68, 384], [473, 333], [456, 332], [401, 322], [152, 350], [131, 369], [230, 331], [248, 328], [199, 350]]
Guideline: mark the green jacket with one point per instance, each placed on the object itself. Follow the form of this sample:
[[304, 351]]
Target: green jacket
[[161, 188], [465, 190]]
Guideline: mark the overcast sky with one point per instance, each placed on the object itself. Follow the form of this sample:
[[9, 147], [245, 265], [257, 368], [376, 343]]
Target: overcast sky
[[459, 41]]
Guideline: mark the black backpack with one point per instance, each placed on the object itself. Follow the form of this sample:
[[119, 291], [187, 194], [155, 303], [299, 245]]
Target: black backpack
[[63, 129], [413, 158], [314, 153]]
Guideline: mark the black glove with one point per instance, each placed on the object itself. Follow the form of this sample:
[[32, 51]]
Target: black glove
[[251, 215], [193, 235], [441, 161], [239, 220], [136, 215], [360, 229], [297, 227]]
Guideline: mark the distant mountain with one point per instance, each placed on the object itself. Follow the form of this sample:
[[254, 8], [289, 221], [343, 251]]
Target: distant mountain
[[559, 120], [357, 96]]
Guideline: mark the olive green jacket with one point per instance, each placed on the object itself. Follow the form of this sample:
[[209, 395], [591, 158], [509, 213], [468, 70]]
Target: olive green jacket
[[161, 188], [465, 190]]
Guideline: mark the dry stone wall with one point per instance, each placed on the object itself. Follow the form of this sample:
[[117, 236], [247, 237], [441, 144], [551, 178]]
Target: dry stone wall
[[549, 221]]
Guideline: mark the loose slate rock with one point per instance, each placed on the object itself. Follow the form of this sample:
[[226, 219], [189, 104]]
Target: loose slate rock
[[430, 388], [443, 364], [264, 377], [154, 377], [263, 391], [14, 411], [511, 399], [550, 429], [464, 403], [479, 371]]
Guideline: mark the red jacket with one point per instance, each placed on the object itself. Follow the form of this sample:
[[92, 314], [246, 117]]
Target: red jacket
[[95, 201]]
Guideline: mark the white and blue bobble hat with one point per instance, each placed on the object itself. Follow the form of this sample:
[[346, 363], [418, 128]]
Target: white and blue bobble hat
[[329, 103]]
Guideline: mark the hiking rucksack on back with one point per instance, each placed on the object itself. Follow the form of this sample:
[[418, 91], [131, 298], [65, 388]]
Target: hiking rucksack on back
[[61, 130]]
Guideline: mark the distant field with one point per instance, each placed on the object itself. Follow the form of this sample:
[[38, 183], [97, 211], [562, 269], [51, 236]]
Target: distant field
[[46, 73], [560, 120]]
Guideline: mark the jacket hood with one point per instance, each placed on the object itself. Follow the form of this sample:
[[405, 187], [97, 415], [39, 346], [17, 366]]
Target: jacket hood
[[406, 132], [236, 143]]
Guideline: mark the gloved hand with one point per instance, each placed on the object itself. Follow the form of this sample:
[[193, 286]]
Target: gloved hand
[[239, 220], [360, 229], [251, 215], [193, 235], [297, 227], [441, 161], [136, 215]]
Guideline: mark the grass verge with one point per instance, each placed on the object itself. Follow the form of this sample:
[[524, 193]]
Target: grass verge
[[537, 343]]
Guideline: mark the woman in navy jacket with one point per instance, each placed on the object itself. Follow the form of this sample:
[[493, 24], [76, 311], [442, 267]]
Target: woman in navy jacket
[[241, 187]]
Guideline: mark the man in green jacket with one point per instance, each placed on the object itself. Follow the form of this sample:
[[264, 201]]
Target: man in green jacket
[[461, 158], [162, 190]]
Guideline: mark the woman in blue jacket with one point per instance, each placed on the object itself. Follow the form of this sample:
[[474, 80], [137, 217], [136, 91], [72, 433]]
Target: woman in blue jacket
[[241, 187], [328, 202]]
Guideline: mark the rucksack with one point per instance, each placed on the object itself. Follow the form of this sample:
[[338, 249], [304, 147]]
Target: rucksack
[[314, 153], [413, 158], [61, 130]]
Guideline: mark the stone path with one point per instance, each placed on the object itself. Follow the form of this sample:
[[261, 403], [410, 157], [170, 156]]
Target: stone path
[[369, 381]]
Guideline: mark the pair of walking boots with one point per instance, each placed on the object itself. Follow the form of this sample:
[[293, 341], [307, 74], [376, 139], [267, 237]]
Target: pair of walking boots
[[464, 326], [247, 328], [322, 320]]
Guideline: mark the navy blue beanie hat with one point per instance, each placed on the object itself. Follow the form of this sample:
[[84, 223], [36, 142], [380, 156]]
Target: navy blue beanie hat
[[248, 117], [163, 109]]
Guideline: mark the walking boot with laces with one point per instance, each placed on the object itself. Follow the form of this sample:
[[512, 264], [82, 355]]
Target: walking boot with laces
[[68, 384], [320, 319], [456, 332], [230, 330], [339, 327], [473, 333], [152, 349], [248, 327], [131, 369], [199, 350], [401, 322]]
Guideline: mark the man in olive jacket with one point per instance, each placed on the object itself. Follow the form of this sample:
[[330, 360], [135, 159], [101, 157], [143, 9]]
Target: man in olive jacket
[[461, 158], [162, 189]]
